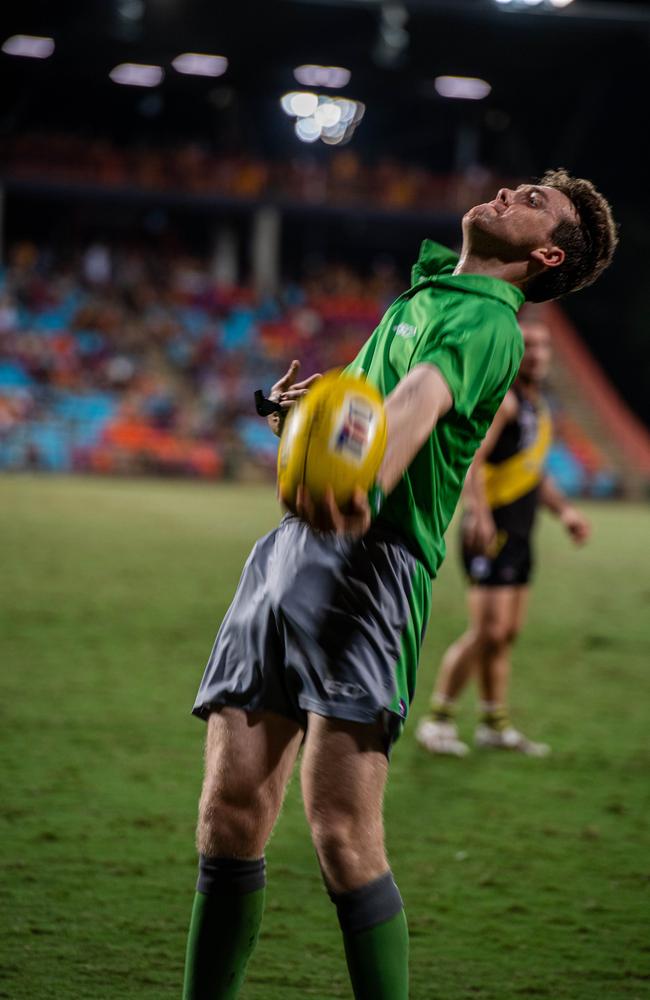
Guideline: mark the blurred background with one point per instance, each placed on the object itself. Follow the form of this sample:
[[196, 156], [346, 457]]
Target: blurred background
[[193, 193]]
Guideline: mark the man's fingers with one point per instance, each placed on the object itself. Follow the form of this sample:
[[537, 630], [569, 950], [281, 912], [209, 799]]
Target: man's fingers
[[332, 512], [290, 395], [294, 392], [581, 533], [358, 522], [359, 502], [287, 379], [307, 382], [326, 515]]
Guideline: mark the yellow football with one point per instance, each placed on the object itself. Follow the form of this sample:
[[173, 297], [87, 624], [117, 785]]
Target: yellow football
[[334, 436]]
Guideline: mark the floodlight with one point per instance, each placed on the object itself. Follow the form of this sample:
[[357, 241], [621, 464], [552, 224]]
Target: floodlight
[[467, 88], [327, 114], [303, 104], [31, 46], [137, 75], [199, 64], [322, 76], [308, 129]]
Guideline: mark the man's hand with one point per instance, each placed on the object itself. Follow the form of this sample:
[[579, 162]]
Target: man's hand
[[576, 524], [327, 516], [479, 530], [285, 392]]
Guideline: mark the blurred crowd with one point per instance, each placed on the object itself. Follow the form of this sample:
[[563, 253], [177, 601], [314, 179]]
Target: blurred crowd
[[342, 178], [119, 360], [127, 360]]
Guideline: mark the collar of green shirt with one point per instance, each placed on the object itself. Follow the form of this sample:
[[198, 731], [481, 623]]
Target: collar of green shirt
[[436, 264]]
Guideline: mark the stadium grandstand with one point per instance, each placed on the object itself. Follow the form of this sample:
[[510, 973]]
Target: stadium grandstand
[[117, 360]]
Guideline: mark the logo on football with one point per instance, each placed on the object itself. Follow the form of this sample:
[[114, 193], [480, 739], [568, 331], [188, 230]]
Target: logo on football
[[354, 430]]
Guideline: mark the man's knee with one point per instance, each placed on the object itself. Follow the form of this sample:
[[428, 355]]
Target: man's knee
[[495, 636], [350, 854], [233, 825]]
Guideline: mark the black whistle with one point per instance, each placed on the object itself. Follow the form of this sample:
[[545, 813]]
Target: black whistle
[[265, 407]]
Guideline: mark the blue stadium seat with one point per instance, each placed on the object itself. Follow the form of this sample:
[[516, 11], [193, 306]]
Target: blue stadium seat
[[13, 376], [566, 470]]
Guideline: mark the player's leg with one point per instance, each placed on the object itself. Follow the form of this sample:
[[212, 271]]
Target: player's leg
[[438, 733], [344, 771], [499, 619], [458, 664], [248, 761], [495, 612]]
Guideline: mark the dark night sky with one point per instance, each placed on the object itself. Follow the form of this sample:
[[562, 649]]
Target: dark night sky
[[567, 90]]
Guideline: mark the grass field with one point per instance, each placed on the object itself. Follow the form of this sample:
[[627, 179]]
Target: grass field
[[522, 878]]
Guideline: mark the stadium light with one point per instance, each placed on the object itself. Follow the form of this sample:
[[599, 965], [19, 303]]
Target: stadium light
[[522, 4], [299, 104], [198, 64], [319, 116], [137, 75], [31, 46], [311, 75], [308, 129], [327, 114], [464, 88]]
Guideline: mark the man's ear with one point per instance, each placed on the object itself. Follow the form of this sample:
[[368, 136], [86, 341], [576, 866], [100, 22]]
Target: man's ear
[[548, 256]]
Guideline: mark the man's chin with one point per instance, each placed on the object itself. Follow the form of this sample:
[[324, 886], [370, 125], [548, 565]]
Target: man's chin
[[481, 213], [481, 223]]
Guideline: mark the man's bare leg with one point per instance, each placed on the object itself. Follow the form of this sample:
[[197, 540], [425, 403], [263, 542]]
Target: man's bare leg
[[483, 650], [498, 620], [498, 614], [344, 772], [248, 762]]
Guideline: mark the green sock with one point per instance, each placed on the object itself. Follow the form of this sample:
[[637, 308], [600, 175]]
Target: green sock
[[224, 927], [378, 960]]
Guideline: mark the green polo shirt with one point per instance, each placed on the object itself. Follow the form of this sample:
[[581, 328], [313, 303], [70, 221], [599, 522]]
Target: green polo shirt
[[466, 326]]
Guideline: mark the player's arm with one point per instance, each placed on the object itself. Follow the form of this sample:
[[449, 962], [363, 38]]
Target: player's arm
[[575, 523], [412, 411], [479, 528], [285, 392]]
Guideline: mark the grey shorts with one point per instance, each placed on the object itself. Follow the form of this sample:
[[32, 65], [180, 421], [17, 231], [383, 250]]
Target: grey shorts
[[322, 624]]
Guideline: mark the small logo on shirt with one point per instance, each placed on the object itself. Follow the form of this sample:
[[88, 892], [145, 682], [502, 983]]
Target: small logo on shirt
[[405, 330]]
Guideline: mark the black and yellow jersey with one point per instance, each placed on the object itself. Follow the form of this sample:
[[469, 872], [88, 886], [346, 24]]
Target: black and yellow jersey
[[514, 468]]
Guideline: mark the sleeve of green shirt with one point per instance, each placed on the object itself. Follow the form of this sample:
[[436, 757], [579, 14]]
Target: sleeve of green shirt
[[475, 362]]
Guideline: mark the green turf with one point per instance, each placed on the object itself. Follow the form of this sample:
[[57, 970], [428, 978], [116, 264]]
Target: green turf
[[522, 878]]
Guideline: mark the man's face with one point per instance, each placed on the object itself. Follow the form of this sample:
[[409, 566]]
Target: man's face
[[537, 353], [517, 222]]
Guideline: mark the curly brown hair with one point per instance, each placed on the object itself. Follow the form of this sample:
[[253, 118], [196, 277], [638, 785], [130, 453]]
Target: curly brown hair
[[588, 243]]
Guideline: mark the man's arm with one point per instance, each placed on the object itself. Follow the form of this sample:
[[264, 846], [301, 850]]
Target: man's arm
[[412, 411], [576, 524]]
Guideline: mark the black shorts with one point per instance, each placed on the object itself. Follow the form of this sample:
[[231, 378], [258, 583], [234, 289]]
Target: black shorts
[[510, 565], [322, 624]]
